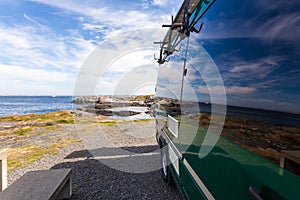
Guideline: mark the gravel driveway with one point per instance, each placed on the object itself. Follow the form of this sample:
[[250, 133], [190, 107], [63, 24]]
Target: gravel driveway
[[112, 162]]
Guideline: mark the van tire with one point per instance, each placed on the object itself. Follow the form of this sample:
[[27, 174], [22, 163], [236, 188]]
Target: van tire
[[165, 169]]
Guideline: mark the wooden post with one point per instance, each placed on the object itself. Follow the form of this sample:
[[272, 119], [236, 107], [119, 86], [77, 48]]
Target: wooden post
[[3, 169]]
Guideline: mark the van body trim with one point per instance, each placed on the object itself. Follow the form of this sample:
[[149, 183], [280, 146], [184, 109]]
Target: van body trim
[[173, 125], [172, 145], [198, 180]]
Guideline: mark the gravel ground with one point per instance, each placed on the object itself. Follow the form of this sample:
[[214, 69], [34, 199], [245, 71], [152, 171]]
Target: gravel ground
[[107, 164]]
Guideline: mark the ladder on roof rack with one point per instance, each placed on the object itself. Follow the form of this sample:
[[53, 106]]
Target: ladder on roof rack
[[184, 23]]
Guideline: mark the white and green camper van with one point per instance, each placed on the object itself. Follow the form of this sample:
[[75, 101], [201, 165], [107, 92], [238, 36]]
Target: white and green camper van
[[228, 100]]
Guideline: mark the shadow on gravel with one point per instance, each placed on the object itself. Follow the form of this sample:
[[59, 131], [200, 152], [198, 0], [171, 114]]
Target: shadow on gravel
[[94, 180]]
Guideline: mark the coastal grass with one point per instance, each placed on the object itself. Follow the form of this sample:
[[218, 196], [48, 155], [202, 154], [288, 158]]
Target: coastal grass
[[25, 126], [36, 130], [61, 117], [115, 122], [142, 120], [48, 129], [24, 130], [30, 124], [25, 155], [107, 123], [65, 121]]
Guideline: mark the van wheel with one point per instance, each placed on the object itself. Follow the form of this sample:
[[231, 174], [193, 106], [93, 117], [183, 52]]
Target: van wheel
[[165, 169]]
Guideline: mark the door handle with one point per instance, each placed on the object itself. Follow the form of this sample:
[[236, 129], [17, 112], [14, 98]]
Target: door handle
[[264, 193], [255, 193]]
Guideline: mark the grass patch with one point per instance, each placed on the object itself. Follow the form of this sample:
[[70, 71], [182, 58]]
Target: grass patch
[[49, 129], [51, 117], [49, 124], [107, 123], [143, 120], [23, 156], [24, 130], [65, 121], [28, 117], [41, 130]]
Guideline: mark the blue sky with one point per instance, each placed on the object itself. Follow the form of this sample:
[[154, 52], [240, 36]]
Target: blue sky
[[45, 43], [254, 44], [256, 48]]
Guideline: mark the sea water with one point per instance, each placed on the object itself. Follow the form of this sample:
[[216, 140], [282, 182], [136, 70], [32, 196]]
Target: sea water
[[20, 105]]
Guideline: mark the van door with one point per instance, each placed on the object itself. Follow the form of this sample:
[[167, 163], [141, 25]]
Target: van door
[[243, 134]]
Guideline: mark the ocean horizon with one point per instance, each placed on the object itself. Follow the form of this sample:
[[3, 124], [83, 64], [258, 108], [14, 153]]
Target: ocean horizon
[[22, 105]]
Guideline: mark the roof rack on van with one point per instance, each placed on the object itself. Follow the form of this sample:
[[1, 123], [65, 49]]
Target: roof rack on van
[[184, 23]]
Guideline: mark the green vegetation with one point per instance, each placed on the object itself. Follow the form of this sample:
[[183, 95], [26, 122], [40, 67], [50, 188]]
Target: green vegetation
[[24, 127], [24, 130], [23, 156], [115, 122], [51, 117], [49, 124], [107, 123], [64, 121], [143, 120]]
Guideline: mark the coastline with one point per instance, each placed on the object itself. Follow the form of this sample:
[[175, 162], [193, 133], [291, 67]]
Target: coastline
[[44, 141]]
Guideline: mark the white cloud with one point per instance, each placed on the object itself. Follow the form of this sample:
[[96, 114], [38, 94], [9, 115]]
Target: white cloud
[[211, 90], [130, 72], [24, 81], [32, 52], [282, 26], [232, 90], [12, 39], [259, 68], [33, 20], [110, 19], [239, 90], [128, 56], [32, 47], [159, 2], [35, 75]]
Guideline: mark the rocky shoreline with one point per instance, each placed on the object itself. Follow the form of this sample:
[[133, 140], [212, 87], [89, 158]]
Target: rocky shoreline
[[115, 101], [103, 105]]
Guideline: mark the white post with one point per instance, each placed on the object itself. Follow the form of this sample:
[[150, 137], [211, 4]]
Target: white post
[[3, 169]]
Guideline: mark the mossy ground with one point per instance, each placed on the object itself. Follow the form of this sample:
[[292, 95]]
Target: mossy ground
[[62, 117], [24, 155], [22, 129]]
